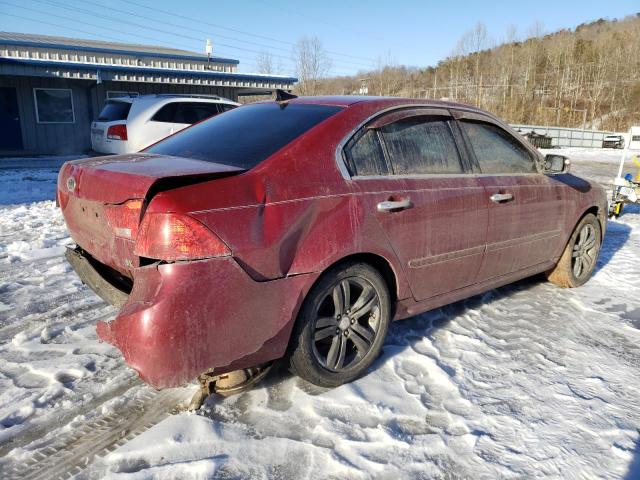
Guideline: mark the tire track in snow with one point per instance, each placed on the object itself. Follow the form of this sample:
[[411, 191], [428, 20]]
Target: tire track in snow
[[40, 430], [73, 451]]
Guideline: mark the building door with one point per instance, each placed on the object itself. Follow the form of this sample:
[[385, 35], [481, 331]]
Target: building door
[[11, 134]]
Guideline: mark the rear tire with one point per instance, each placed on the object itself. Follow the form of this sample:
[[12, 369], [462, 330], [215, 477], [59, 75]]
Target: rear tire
[[580, 255], [341, 326]]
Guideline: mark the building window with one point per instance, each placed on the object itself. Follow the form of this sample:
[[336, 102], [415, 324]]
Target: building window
[[54, 105]]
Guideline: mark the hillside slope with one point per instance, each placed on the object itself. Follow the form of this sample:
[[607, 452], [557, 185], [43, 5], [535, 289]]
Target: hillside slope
[[590, 74]]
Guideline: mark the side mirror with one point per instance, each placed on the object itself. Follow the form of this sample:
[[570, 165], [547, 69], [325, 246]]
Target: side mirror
[[554, 164]]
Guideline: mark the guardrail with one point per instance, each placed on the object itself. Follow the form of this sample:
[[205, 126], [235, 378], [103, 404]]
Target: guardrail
[[568, 137]]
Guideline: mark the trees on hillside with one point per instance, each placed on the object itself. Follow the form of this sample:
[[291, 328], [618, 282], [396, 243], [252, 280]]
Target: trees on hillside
[[561, 78]]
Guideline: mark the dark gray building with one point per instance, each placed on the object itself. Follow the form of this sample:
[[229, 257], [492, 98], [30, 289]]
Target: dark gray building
[[52, 87]]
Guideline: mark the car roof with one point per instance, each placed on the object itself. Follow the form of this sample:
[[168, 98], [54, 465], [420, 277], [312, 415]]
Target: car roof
[[383, 102], [121, 99]]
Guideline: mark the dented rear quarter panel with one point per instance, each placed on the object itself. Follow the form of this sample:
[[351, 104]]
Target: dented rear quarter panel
[[294, 213]]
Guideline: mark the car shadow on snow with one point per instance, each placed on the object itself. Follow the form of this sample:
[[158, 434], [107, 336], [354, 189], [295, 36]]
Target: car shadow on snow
[[406, 333], [633, 473], [615, 237]]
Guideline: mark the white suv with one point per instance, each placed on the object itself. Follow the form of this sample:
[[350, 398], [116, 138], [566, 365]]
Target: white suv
[[128, 125]]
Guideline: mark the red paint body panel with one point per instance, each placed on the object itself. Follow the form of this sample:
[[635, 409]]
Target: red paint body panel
[[289, 219], [526, 231], [448, 215], [170, 338]]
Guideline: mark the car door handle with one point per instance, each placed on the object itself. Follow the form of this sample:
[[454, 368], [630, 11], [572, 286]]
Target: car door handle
[[501, 197], [394, 205]]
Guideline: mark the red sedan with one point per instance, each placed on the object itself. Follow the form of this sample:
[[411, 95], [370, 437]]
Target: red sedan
[[300, 228]]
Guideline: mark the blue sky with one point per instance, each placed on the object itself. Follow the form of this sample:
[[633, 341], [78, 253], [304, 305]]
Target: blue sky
[[356, 33]]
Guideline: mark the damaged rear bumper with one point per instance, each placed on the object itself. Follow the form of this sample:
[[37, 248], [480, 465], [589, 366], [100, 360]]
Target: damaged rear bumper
[[186, 318]]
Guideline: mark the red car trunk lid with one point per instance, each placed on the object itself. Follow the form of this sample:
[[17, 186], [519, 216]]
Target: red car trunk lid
[[98, 194], [115, 179]]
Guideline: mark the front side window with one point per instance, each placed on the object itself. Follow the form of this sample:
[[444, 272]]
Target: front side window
[[421, 145], [245, 136], [54, 105], [496, 150], [166, 114], [364, 155]]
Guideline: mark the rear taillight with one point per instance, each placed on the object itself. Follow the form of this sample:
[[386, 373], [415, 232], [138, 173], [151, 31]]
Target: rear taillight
[[62, 193], [124, 218], [172, 236], [62, 199], [117, 132]]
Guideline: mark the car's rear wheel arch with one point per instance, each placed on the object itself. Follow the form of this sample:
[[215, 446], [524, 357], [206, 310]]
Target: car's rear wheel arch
[[381, 264], [378, 262]]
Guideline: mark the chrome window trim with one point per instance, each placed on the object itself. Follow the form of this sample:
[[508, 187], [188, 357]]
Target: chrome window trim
[[445, 175]]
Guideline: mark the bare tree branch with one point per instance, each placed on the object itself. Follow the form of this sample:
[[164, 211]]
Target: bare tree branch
[[312, 64]]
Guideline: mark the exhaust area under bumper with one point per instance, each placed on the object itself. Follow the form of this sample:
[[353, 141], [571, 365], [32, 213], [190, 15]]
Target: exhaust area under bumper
[[106, 290]]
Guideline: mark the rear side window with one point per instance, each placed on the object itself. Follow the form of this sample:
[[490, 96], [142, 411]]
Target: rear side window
[[496, 150], [113, 111], [245, 136], [421, 145], [224, 107], [185, 112], [364, 155]]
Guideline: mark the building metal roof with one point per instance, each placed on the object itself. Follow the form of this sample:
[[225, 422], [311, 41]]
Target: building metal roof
[[47, 41], [127, 73]]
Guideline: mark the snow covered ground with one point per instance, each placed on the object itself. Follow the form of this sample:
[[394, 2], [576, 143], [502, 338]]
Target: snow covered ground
[[524, 381]]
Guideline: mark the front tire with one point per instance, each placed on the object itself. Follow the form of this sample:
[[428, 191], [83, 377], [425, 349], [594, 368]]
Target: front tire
[[580, 255], [341, 326]]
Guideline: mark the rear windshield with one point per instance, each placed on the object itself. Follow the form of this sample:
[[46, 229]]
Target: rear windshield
[[245, 136], [114, 111]]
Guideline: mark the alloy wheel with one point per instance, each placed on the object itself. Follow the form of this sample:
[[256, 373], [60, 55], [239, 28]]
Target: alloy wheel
[[585, 252], [346, 324]]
